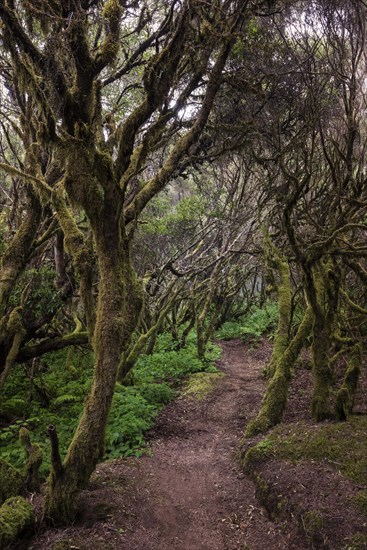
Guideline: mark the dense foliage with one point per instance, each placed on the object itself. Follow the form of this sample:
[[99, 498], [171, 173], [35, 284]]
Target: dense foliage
[[54, 394]]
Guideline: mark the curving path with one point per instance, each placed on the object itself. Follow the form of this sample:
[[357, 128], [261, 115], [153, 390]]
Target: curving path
[[189, 492]]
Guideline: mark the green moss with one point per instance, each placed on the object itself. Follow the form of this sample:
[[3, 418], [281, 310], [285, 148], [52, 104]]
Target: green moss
[[341, 445], [274, 504], [345, 396], [312, 522], [16, 515], [11, 481], [112, 9], [262, 488], [360, 500], [257, 454], [258, 425], [201, 384]]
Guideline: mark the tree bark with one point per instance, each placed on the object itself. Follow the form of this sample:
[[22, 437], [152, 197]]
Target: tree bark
[[275, 399], [118, 308]]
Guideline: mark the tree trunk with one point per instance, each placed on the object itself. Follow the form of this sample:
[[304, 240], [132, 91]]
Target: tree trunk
[[322, 376], [275, 399], [131, 358], [346, 394], [118, 307], [278, 271], [322, 284]]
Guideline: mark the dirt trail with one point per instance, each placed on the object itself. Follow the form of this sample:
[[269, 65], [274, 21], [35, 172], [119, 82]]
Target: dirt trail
[[189, 493]]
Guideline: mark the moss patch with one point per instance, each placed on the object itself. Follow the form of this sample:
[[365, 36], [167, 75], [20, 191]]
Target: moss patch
[[360, 500], [312, 477], [199, 385], [11, 481], [16, 515], [257, 454], [312, 522], [341, 445]]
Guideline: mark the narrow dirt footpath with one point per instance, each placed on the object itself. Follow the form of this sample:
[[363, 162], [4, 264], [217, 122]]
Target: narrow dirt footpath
[[195, 494], [189, 492]]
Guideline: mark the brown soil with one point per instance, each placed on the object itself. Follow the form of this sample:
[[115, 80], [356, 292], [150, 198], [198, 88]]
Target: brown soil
[[188, 492]]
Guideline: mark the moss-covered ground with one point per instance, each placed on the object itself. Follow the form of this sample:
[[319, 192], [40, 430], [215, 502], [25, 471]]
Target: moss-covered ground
[[200, 384], [342, 445], [314, 477]]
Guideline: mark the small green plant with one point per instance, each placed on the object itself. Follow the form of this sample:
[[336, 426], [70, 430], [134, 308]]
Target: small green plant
[[131, 416], [230, 330]]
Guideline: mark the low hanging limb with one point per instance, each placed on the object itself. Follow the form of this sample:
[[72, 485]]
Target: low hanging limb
[[56, 463]]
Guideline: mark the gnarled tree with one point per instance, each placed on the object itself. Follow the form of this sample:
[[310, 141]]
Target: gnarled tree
[[98, 87]]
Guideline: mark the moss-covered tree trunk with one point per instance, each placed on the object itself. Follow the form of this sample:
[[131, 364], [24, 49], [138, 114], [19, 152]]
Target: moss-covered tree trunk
[[346, 394], [118, 307], [12, 263], [275, 399], [322, 376], [133, 355], [206, 319], [278, 272], [283, 355], [322, 286]]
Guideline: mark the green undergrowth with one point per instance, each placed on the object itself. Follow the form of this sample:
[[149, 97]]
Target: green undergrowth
[[55, 391], [340, 445], [252, 325]]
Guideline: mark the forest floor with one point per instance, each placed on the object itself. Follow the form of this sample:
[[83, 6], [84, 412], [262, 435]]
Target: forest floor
[[188, 492]]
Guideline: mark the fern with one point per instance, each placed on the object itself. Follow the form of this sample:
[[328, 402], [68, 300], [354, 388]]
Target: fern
[[253, 325], [65, 399]]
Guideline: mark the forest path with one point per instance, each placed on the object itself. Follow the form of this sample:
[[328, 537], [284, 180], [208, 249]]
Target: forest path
[[189, 492], [195, 496]]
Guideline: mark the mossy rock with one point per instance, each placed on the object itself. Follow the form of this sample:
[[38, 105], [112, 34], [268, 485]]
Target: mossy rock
[[11, 481], [16, 516], [201, 384]]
